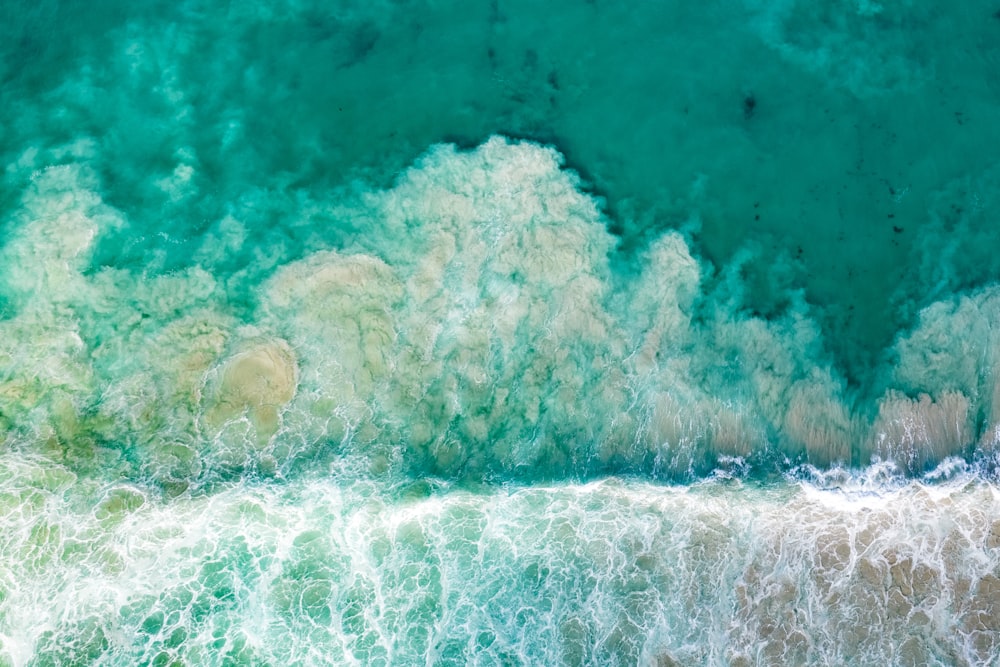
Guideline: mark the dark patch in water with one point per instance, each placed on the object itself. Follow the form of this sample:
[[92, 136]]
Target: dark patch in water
[[361, 43]]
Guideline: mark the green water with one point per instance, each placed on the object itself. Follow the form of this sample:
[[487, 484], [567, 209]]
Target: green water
[[499, 333]]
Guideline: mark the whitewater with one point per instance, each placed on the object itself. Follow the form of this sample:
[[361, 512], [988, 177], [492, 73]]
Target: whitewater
[[430, 333]]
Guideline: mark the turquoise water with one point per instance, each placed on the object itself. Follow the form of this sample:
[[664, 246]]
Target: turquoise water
[[499, 333]]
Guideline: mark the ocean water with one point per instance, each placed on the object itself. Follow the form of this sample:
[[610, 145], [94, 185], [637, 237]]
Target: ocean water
[[499, 333]]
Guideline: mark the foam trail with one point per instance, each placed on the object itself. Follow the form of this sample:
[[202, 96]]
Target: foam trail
[[611, 572]]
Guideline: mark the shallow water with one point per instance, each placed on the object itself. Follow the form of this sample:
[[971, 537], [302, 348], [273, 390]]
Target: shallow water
[[429, 333]]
